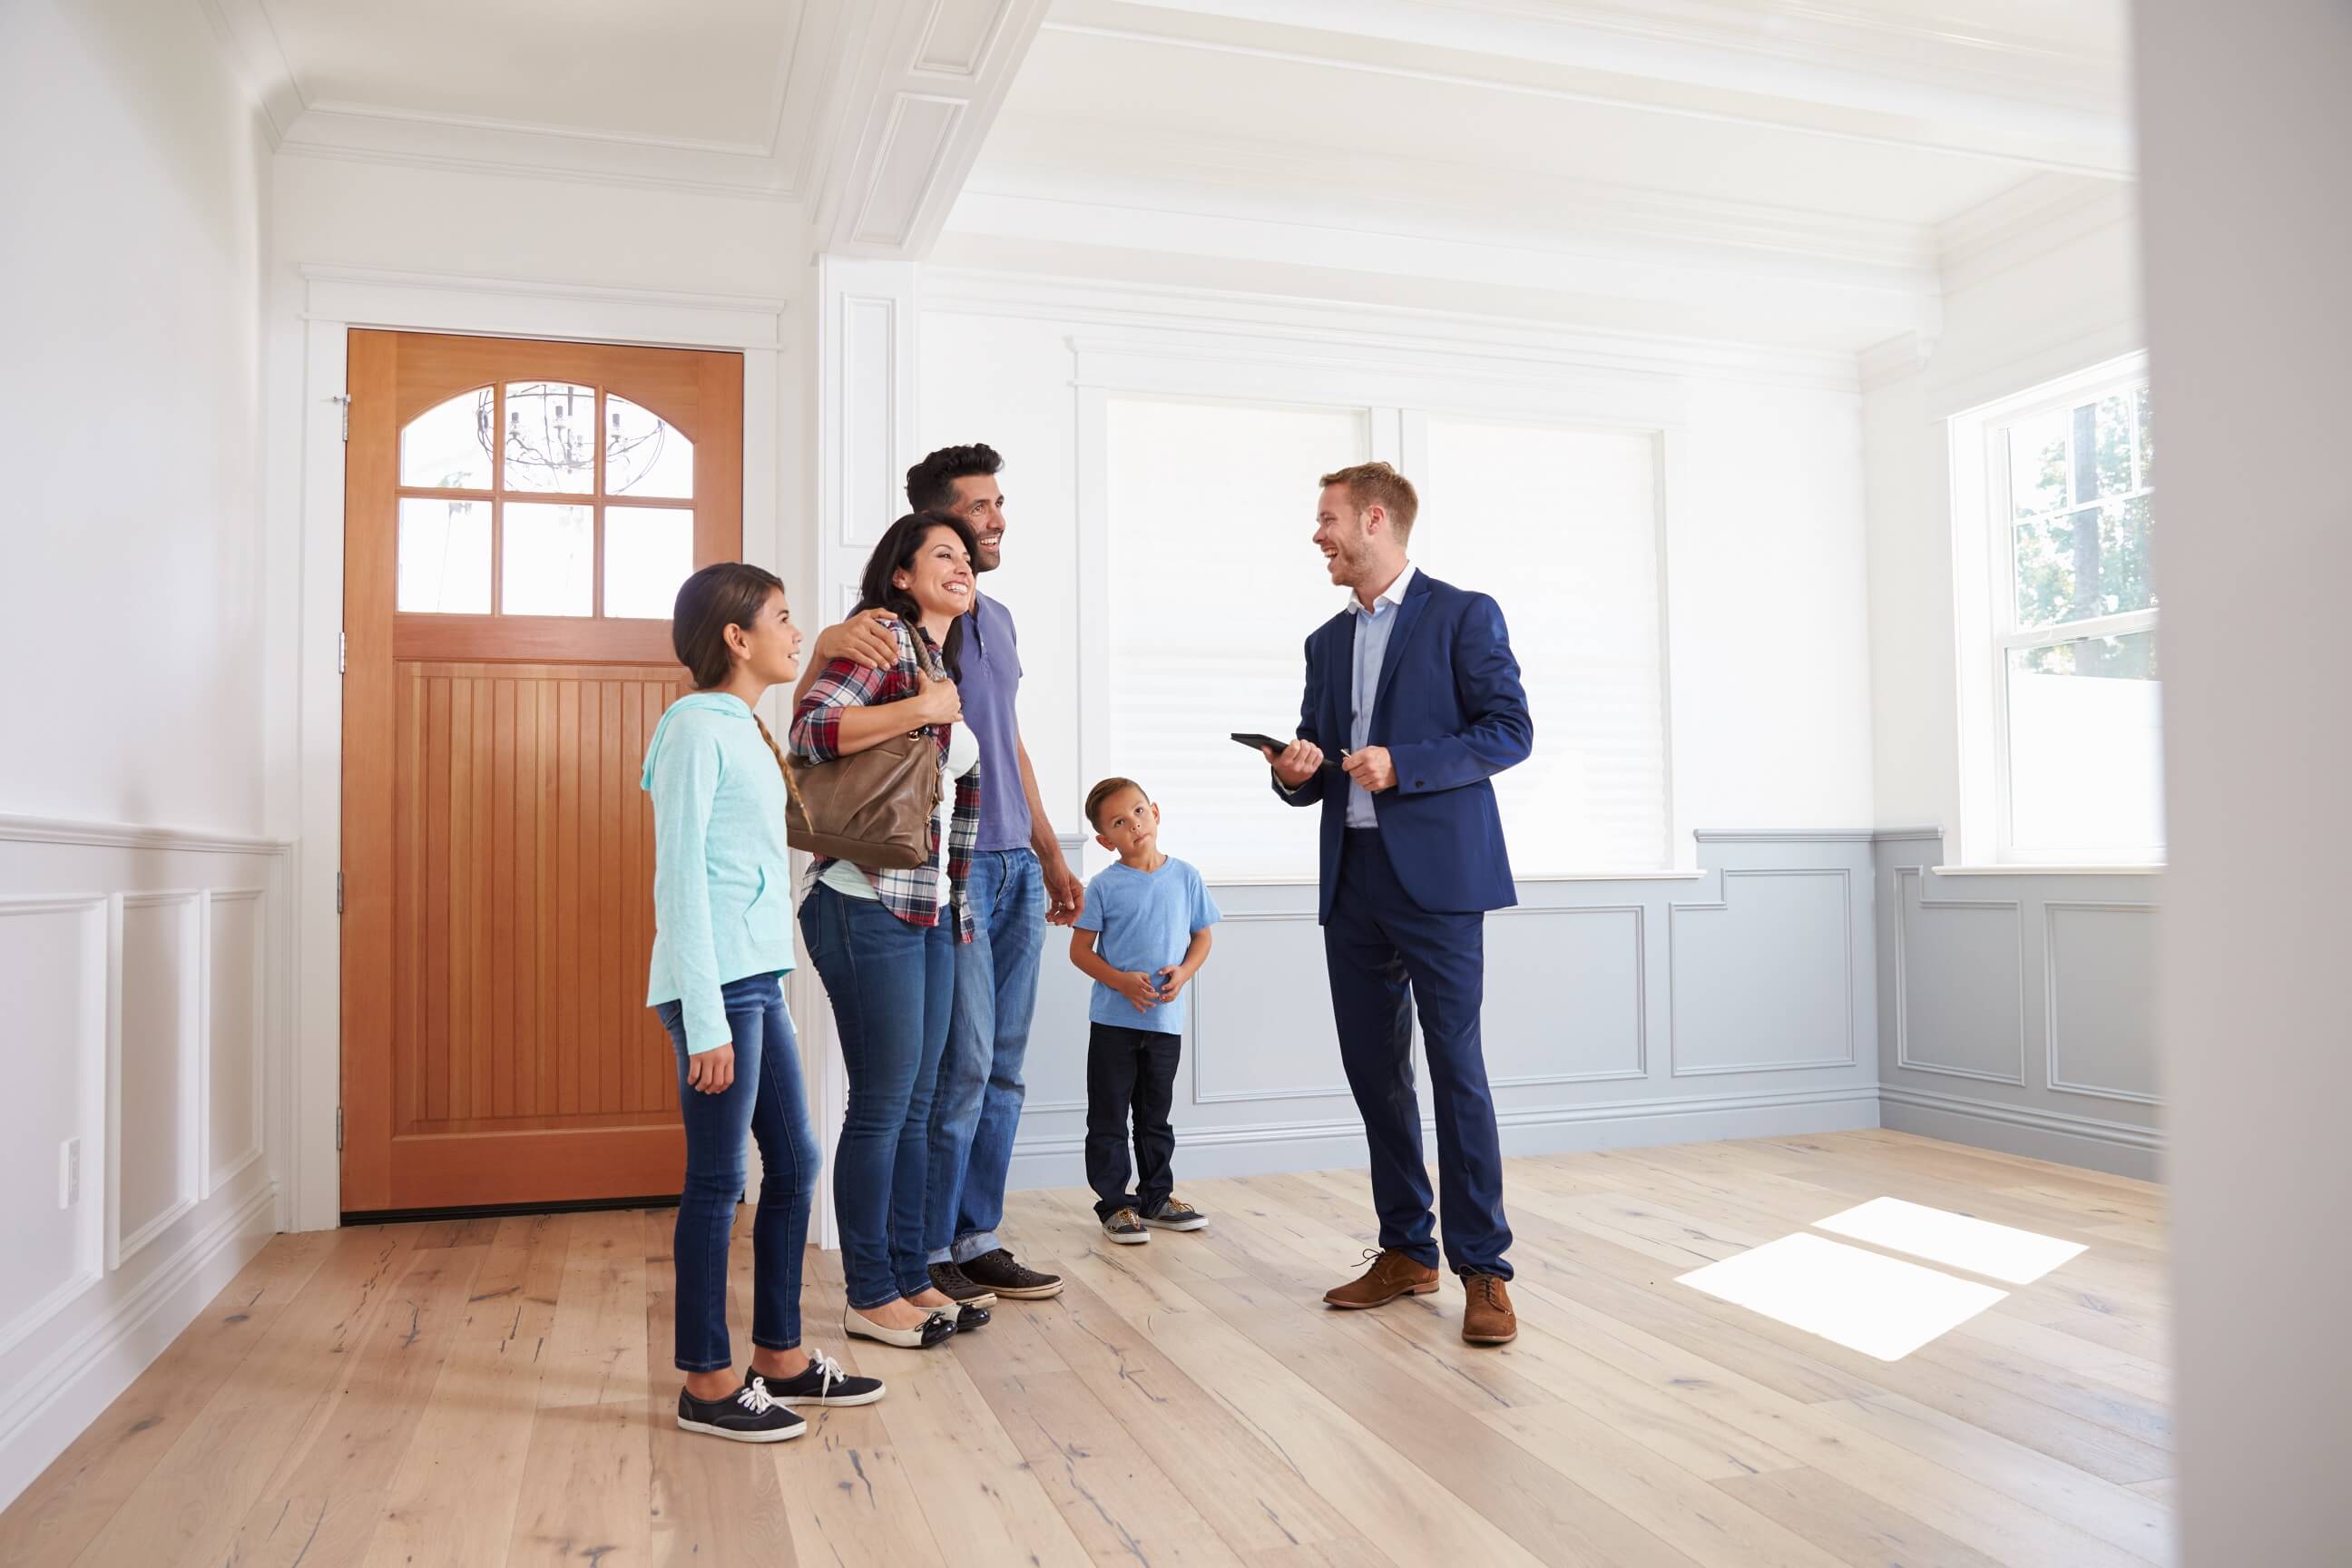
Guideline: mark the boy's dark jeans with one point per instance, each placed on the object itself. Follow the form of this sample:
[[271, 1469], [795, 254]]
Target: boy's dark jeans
[[1130, 1070]]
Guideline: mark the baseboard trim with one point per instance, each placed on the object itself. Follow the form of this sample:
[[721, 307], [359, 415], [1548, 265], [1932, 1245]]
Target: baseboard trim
[[1264, 1149], [2118, 1148], [42, 1414]]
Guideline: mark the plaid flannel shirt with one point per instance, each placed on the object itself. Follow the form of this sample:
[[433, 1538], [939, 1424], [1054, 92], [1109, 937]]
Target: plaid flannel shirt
[[911, 895]]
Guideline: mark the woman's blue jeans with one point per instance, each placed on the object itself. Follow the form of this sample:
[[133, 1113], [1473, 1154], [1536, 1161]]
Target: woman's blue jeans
[[892, 986], [766, 1102]]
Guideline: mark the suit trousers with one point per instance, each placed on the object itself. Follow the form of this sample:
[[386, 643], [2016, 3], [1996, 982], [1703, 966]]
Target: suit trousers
[[1387, 955]]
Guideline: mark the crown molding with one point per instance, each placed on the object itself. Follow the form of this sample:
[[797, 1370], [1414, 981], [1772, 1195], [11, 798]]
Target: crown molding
[[1791, 67], [2031, 219], [257, 63], [1498, 341]]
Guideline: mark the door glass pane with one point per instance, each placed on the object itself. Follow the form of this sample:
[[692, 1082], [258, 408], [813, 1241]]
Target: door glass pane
[[448, 446], [648, 551], [551, 437], [646, 455], [445, 557], [2084, 745], [548, 562], [2037, 463]]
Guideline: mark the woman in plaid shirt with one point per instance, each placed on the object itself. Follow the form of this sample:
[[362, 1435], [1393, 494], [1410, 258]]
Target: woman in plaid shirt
[[884, 941]]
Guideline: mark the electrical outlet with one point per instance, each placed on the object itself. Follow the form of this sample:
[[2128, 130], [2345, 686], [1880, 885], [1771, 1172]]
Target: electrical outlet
[[69, 1172]]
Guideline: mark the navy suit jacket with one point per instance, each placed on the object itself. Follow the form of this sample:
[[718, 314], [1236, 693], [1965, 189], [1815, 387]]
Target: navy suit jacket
[[1452, 713]]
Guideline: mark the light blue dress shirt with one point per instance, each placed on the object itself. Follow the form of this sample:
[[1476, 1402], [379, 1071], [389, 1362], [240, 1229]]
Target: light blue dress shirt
[[1374, 628]]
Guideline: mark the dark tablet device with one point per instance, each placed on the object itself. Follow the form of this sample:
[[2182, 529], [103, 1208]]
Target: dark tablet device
[[1268, 741]]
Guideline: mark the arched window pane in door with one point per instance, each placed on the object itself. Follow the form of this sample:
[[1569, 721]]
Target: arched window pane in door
[[448, 446], [551, 437], [646, 455], [548, 564], [445, 556], [648, 552]]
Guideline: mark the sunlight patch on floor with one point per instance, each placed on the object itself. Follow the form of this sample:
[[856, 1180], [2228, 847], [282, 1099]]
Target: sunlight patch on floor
[[1954, 1240], [1864, 1300]]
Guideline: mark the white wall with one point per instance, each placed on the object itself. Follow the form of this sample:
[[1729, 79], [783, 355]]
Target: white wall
[[2010, 324], [1768, 625], [142, 931], [131, 178], [2251, 331]]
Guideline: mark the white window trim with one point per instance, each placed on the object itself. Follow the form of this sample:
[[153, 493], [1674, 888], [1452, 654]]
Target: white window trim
[[1984, 599], [1398, 393]]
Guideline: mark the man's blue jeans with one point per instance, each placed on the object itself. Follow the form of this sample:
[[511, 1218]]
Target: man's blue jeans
[[977, 1111]]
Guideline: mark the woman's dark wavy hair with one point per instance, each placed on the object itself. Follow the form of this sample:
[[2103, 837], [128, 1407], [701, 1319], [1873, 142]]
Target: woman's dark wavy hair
[[727, 594], [894, 552]]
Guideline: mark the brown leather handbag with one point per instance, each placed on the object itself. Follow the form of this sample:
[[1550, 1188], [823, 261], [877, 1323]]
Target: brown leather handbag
[[872, 807]]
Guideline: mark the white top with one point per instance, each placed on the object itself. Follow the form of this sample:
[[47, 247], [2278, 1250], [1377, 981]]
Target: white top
[[963, 750]]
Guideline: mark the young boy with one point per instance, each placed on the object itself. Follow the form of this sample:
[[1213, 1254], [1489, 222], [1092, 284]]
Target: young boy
[[1151, 915]]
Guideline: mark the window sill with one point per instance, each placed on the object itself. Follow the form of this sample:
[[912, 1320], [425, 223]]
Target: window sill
[[2136, 869]]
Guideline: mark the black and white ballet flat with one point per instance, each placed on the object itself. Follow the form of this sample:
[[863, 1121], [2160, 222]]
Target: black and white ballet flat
[[938, 1326], [969, 1318]]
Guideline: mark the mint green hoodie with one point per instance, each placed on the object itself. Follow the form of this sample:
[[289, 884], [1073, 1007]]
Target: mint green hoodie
[[723, 878]]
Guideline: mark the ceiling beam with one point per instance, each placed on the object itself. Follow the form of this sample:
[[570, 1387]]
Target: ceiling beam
[[1783, 67], [907, 119]]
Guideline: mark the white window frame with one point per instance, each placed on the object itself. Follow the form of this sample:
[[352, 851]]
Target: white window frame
[[1985, 618], [1398, 394]]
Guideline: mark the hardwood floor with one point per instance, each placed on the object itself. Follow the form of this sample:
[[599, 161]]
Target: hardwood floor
[[486, 1392]]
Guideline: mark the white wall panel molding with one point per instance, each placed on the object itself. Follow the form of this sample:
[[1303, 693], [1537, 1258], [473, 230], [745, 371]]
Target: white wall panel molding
[[1276, 322], [1758, 978], [1619, 958], [54, 969], [2034, 1132], [2100, 991], [130, 835], [1275, 980], [232, 1096], [1974, 1022], [155, 1051]]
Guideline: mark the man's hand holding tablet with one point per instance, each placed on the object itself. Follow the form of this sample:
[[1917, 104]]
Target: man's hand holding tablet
[[1294, 762]]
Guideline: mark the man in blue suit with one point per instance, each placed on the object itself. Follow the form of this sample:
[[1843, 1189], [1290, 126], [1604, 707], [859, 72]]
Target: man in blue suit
[[1413, 687]]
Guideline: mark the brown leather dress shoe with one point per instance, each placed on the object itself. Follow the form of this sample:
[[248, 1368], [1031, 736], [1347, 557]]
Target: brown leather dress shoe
[[1489, 1318], [1392, 1274]]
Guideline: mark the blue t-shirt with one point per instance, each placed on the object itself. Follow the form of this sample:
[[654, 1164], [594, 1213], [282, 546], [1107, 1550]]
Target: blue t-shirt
[[990, 688], [1146, 920]]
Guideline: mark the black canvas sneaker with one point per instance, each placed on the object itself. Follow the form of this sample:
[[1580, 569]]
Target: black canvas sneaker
[[750, 1415], [998, 1272], [1125, 1226], [825, 1382]]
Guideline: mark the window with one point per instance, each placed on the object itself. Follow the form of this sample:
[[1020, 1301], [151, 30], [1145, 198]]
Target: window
[[1213, 584], [2068, 697], [550, 519]]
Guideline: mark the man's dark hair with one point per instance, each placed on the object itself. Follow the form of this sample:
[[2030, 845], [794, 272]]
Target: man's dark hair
[[931, 484]]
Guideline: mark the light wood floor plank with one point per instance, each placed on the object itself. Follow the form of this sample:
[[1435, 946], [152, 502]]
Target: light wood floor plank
[[486, 1392]]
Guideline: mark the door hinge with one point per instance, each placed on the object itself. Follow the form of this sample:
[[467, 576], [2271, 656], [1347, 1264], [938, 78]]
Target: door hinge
[[339, 893], [343, 652], [343, 400], [339, 1129]]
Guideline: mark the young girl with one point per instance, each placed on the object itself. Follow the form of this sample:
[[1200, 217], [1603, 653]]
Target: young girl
[[885, 941], [722, 936]]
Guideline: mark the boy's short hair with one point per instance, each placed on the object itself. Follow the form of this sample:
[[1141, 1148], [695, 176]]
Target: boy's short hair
[[1100, 797], [1377, 484]]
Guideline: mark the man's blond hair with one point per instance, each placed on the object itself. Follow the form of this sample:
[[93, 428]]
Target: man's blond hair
[[1377, 484]]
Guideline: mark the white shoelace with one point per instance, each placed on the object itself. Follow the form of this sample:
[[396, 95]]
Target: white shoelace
[[828, 1373], [755, 1396]]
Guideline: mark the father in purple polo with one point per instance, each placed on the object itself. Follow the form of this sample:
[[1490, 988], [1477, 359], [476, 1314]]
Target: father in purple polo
[[1019, 885]]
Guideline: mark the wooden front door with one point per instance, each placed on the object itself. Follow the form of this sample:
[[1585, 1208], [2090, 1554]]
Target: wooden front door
[[518, 517]]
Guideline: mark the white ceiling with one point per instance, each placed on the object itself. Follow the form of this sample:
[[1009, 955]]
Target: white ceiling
[[1817, 160]]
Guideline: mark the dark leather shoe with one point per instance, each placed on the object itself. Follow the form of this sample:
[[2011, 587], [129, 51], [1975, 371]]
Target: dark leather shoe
[[1489, 1318], [1392, 1274]]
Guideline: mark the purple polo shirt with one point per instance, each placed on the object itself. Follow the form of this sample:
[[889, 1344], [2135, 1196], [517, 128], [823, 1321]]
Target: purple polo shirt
[[991, 681]]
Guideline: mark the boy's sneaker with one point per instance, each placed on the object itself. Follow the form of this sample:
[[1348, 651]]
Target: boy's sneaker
[[1175, 1214], [998, 1271], [826, 1381], [750, 1415], [1126, 1227], [957, 1286]]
